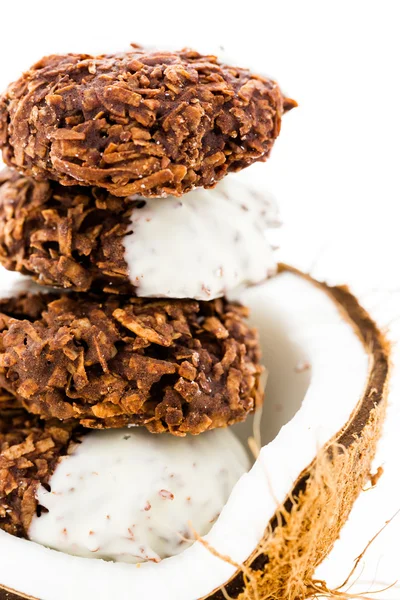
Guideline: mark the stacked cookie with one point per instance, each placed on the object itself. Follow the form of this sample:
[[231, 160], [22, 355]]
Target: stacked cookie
[[112, 195]]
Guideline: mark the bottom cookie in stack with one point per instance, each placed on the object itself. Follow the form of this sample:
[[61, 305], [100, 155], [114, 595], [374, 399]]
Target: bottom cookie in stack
[[122, 494], [113, 362]]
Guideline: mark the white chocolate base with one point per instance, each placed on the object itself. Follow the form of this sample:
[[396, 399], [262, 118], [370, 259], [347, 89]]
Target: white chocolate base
[[204, 245], [130, 496]]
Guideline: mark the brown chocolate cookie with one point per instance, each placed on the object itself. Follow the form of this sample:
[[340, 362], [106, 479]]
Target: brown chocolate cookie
[[147, 122], [68, 237], [29, 451], [110, 360]]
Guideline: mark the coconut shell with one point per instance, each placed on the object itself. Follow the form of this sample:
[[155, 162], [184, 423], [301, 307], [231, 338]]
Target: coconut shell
[[10, 595], [305, 527]]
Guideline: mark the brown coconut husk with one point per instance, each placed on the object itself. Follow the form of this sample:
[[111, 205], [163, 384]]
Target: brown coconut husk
[[305, 527]]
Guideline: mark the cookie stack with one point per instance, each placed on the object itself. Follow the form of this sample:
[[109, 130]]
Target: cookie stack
[[112, 195]]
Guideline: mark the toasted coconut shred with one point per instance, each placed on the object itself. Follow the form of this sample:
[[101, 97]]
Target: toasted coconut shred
[[69, 237], [29, 452]]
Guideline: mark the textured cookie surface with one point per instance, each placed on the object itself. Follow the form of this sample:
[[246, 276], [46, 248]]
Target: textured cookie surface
[[71, 237], [143, 122], [29, 451], [107, 361]]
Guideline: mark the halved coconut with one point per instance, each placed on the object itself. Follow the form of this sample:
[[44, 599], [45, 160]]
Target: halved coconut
[[328, 370]]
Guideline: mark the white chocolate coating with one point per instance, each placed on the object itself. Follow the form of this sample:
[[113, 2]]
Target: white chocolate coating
[[128, 495], [204, 245]]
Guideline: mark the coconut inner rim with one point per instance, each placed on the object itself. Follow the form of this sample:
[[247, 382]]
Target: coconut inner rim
[[315, 324]]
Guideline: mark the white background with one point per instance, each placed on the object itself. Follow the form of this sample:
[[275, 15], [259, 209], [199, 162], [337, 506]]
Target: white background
[[335, 169]]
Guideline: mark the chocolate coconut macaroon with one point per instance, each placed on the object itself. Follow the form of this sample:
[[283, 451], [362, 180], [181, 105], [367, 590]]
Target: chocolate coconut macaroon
[[113, 196], [67, 488], [149, 123], [108, 360], [201, 246]]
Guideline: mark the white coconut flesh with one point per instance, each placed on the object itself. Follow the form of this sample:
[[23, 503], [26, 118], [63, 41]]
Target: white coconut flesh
[[318, 369]]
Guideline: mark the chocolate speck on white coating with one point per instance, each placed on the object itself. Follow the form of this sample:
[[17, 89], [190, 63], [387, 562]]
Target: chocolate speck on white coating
[[166, 494], [136, 494]]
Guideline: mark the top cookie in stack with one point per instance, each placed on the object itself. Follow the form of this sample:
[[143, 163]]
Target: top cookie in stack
[[100, 150], [148, 123]]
